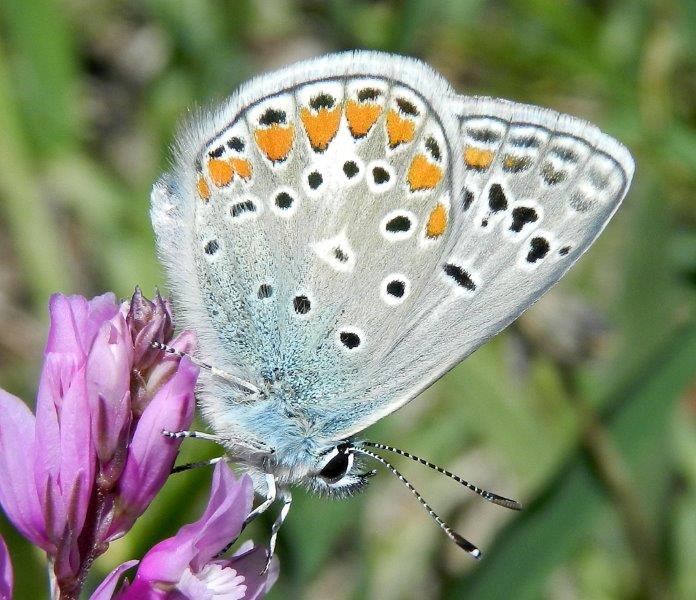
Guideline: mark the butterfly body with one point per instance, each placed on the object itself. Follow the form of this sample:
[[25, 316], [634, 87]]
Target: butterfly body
[[344, 231]]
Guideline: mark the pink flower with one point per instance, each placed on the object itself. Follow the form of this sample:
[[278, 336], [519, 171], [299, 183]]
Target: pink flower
[[150, 455], [82, 471], [185, 566], [5, 572]]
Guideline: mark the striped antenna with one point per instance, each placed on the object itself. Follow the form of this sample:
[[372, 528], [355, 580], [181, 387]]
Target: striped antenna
[[486, 495], [451, 534]]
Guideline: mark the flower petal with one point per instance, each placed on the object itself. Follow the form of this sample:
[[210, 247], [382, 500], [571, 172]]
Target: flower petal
[[5, 572], [230, 503], [17, 489], [78, 456], [151, 455], [108, 385], [195, 544], [250, 563], [56, 376], [106, 589], [65, 457], [75, 321]]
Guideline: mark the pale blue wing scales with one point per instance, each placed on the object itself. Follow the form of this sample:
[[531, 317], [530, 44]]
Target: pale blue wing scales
[[353, 257], [244, 266]]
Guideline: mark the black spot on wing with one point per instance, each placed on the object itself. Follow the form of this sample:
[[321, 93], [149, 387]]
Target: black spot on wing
[[467, 198], [525, 141], [340, 255], [283, 200], [496, 198], [406, 107], [396, 288], [564, 154], [211, 247], [380, 175], [239, 208], [368, 94], [301, 304], [272, 116], [551, 175], [236, 144], [460, 276], [538, 249], [315, 179], [350, 168], [349, 339], [265, 291], [434, 148], [521, 215], [483, 135], [399, 223], [322, 100]]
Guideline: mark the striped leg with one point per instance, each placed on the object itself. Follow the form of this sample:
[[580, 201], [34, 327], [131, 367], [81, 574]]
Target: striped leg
[[263, 507], [196, 465], [197, 435], [287, 501], [244, 386]]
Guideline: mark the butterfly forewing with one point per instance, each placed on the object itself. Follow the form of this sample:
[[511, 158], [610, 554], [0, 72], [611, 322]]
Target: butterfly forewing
[[349, 229]]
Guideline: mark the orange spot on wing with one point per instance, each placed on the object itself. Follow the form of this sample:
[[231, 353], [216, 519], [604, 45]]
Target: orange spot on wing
[[276, 141], [321, 127], [361, 117], [241, 167], [220, 171], [422, 174], [203, 188], [437, 222], [399, 130], [477, 158]]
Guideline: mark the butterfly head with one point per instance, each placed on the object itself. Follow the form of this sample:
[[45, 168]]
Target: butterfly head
[[338, 471]]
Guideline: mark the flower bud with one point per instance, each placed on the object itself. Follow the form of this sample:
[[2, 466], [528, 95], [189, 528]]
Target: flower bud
[[151, 455], [148, 321]]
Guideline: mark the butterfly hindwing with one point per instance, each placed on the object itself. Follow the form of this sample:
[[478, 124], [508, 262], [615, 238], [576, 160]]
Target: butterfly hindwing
[[538, 188]]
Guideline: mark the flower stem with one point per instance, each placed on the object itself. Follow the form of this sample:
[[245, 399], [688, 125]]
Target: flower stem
[[53, 591]]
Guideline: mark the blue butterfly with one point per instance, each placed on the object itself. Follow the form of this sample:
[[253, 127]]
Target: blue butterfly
[[344, 231]]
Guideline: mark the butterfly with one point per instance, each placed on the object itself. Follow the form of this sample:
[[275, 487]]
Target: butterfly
[[342, 232]]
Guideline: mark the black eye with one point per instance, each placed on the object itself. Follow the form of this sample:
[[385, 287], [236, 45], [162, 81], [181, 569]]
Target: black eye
[[336, 468]]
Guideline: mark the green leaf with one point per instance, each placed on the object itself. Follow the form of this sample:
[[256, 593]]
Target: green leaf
[[555, 524]]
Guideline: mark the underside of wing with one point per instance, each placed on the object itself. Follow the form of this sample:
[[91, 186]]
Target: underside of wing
[[344, 231], [539, 187]]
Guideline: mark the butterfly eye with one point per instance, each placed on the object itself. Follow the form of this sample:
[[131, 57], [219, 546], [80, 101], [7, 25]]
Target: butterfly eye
[[337, 467]]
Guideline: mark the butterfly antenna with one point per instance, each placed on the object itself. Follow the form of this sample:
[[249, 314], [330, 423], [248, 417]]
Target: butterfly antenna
[[451, 534], [485, 494], [244, 386]]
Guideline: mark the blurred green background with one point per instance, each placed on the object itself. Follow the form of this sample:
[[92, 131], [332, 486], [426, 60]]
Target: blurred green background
[[585, 410]]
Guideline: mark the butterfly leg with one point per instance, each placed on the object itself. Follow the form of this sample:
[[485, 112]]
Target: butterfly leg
[[196, 465], [263, 507], [199, 435], [244, 386], [287, 501]]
